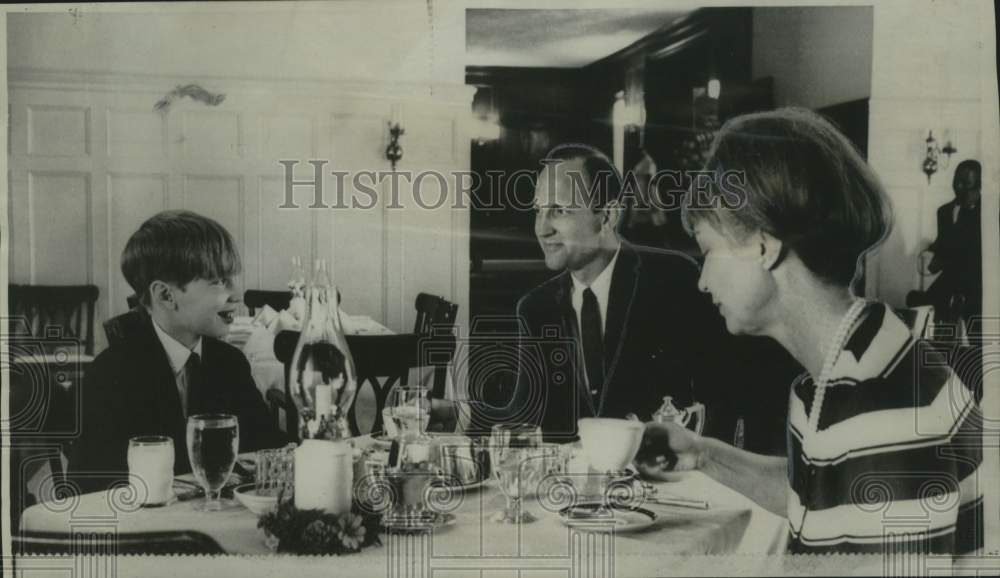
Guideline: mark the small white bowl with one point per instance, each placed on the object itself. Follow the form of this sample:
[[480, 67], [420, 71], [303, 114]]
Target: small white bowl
[[251, 500]]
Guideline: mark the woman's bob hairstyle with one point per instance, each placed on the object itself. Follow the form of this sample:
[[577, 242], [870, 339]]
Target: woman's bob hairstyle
[[792, 174]]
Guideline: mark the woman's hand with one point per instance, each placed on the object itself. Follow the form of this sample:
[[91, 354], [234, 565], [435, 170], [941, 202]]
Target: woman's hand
[[667, 449]]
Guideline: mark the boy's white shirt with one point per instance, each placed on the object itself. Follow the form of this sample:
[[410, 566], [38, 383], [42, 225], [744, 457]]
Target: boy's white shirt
[[177, 354]]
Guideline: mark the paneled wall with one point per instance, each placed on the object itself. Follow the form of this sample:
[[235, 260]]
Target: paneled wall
[[90, 159], [950, 97]]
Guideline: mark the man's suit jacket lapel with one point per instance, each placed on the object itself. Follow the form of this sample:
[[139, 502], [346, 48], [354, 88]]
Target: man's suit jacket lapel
[[624, 287]]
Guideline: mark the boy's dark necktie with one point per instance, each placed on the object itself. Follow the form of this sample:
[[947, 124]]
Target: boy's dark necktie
[[194, 372], [593, 341]]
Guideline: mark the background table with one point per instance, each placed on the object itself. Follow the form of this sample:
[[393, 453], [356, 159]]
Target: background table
[[732, 525], [269, 373]]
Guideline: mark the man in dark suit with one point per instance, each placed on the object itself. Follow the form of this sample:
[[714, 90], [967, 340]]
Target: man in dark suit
[[170, 363], [621, 326], [957, 251]]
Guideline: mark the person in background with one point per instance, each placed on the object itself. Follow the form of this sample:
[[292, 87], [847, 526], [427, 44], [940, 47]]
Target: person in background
[[173, 364], [879, 427], [957, 252]]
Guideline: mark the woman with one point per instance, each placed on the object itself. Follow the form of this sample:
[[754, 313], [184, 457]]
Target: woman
[[883, 438]]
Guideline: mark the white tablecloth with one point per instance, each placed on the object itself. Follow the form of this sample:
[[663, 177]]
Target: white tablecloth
[[733, 524]]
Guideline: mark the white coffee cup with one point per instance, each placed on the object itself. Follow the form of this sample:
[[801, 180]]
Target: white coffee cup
[[609, 443], [151, 469]]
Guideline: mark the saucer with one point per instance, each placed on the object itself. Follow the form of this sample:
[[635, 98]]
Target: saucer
[[464, 487], [622, 519], [417, 522]]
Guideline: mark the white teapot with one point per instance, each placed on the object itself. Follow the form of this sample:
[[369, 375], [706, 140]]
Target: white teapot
[[669, 412]]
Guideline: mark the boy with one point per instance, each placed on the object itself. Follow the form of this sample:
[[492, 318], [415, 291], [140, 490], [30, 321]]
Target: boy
[[170, 364]]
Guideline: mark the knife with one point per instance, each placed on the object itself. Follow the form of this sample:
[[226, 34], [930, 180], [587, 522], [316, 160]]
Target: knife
[[679, 502]]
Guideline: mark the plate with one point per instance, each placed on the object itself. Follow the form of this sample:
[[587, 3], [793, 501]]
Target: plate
[[417, 522], [623, 519]]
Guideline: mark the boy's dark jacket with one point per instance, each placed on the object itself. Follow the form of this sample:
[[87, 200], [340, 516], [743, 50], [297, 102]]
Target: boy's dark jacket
[[130, 390]]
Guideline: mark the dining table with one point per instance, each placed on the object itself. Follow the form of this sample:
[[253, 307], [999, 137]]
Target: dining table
[[731, 524]]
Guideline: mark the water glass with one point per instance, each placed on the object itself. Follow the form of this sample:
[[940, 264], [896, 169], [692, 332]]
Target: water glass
[[407, 412], [151, 469], [511, 448], [213, 441]]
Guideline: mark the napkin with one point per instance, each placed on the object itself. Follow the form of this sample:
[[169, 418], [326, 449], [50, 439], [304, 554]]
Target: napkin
[[266, 316], [260, 344], [240, 331]]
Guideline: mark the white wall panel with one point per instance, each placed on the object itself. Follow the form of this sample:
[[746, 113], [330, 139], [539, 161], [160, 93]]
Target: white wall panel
[[211, 135], [287, 137], [283, 234], [61, 131], [219, 197], [132, 198], [136, 133], [359, 137], [435, 135], [59, 220]]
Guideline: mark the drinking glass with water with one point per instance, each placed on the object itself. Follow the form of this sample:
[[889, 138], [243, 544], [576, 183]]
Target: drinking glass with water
[[213, 441], [407, 411], [512, 449]]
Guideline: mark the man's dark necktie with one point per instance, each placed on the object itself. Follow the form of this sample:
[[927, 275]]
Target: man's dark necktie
[[194, 373], [593, 341]]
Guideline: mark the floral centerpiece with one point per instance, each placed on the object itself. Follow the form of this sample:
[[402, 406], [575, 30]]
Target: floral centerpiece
[[315, 532]]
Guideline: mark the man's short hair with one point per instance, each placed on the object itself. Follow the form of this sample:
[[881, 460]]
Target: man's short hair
[[178, 247], [602, 182], [970, 165]]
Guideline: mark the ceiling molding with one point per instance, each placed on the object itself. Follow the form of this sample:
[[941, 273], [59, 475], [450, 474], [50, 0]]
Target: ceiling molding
[[437, 93]]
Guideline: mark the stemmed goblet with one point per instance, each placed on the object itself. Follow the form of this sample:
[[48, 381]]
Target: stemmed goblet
[[512, 447], [405, 417], [213, 441]]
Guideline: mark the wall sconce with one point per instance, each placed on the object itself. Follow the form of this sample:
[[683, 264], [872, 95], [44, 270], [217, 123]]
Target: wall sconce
[[394, 152], [934, 152]]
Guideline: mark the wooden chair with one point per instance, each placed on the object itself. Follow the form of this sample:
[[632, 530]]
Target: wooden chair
[[257, 298], [68, 309], [389, 357], [120, 328], [434, 313], [43, 423], [83, 542], [435, 316], [47, 323]]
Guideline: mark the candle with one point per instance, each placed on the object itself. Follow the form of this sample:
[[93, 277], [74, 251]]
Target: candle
[[324, 399], [324, 476]]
